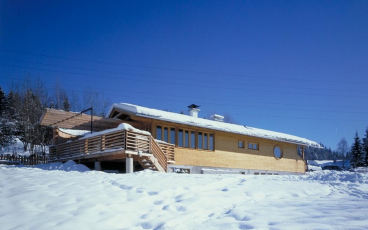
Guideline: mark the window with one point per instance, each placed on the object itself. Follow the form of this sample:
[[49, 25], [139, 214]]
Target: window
[[159, 133], [166, 134], [186, 139], [172, 136], [192, 140], [277, 152], [241, 144], [200, 141], [205, 143], [211, 142], [180, 138], [252, 145]]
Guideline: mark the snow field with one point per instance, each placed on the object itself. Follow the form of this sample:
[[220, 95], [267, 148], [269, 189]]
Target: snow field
[[40, 198]]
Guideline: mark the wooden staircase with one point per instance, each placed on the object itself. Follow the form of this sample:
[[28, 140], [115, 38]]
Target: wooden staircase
[[160, 158]]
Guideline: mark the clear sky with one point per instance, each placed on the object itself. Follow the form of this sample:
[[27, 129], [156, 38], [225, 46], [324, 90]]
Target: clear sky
[[298, 67]]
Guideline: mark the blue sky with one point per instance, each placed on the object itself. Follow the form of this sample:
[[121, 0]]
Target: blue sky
[[298, 67]]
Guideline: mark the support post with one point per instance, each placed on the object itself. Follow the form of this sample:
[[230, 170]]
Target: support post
[[303, 152], [97, 165], [129, 164]]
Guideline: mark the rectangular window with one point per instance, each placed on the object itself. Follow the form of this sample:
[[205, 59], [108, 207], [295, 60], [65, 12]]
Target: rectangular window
[[159, 133], [186, 139], [211, 142], [172, 136], [166, 135], [252, 145], [180, 138], [205, 143], [241, 144], [192, 140], [200, 141]]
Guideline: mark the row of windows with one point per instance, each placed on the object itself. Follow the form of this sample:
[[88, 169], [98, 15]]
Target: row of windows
[[251, 145], [185, 138], [277, 151]]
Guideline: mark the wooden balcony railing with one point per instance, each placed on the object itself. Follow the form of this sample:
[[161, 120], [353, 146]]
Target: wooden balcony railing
[[117, 140], [169, 150]]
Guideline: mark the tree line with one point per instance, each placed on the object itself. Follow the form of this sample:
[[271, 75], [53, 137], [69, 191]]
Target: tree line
[[23, 105], [357, 153]]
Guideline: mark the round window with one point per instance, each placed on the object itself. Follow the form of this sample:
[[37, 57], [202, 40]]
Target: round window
[[277, 152]]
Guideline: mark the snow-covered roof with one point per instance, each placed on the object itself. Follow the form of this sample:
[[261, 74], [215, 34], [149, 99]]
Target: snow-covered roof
[[122, 126], [74, 132], [210, 124]]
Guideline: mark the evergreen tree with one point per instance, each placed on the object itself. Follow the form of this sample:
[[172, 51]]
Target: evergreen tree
[[3, 101], [357, 159], [3, 120], [52, 106], [66, 104], [365, 148]]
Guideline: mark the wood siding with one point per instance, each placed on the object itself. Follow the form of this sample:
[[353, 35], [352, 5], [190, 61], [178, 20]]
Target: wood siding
[[227, 154]]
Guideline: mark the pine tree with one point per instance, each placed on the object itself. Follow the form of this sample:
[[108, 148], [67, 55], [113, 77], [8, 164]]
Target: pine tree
[[66, 104], [52, 106], [365, 148], [357, 155], [3, 120]]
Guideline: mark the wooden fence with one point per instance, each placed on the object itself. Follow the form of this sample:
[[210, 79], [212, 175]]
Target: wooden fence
[[25, 160]]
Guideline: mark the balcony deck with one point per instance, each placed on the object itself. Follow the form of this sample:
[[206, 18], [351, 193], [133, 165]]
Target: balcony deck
[[117, 144]]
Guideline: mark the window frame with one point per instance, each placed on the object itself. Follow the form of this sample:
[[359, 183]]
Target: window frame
[[253, 143], [282, 152], [240, 141]]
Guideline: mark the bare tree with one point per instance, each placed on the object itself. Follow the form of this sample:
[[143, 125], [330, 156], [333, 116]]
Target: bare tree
[[229, 119], [343, 150], [59, 95], [100, 103]]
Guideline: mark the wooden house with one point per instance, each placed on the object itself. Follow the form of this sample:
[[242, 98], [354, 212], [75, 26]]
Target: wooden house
[[171, 142]]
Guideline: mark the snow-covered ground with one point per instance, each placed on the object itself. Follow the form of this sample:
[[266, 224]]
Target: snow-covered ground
[[56, 197]]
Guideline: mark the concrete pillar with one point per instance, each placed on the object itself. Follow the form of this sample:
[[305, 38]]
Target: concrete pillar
[[129, 165], [97, 165]]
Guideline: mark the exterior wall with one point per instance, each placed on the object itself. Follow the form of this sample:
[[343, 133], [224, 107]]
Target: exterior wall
[[227, 154]]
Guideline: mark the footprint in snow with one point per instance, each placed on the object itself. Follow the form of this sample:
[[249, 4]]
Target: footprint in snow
[[245, 226]]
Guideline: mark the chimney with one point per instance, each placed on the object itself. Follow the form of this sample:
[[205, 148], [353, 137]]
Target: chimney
[[217, 117], [193, 110]]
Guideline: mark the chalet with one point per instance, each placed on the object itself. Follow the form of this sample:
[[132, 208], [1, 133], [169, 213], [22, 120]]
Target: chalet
[[133, 137]]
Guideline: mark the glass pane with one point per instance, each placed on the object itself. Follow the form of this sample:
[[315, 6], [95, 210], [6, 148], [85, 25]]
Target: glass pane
[[166, 134], [159, 133], [277, 152], [172, 135], [180, 138], [211, 142], [205, 144], [241, 144], [192, 140], [200, 141], [186, 139], [255, 146], [250, 146]]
